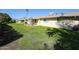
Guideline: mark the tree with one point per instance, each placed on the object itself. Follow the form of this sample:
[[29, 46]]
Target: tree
[[12, 21], [4, 19]]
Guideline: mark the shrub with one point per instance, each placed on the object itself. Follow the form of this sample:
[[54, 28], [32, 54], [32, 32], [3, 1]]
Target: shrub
[[75, 28]]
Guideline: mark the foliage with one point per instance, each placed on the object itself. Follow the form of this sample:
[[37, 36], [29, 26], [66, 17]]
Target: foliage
[[4, 18], [12, 21], [68, 39], [75, 28], [9, 35]]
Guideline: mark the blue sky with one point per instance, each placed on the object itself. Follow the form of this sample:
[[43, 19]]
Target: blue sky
[[19, 13]]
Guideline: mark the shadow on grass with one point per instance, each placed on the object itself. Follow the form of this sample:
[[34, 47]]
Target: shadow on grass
[[69, 40], [9, 35]]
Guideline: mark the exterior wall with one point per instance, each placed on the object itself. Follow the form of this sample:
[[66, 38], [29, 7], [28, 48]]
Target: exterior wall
[[29, 22], [58, 24], [18, 22], [49, 23]]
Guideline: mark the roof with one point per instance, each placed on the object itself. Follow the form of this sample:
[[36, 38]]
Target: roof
[[68, 14], [71, 14]]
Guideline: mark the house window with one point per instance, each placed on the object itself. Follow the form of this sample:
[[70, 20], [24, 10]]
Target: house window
[[45, 21]]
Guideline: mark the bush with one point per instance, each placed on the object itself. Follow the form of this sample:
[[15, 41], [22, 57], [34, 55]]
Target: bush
[[12, 21], [75, 28]]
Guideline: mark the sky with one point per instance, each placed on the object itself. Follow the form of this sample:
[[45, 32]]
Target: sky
[[20, 13]]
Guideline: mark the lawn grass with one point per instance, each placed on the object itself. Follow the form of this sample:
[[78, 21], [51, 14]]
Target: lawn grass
[[36, 37]]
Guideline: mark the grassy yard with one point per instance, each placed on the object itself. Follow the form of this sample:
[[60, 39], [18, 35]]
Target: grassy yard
[[36, 37]]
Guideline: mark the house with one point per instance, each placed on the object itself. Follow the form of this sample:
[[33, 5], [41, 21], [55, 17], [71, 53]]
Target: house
[[24, 21], [63, 20], [20, 20]]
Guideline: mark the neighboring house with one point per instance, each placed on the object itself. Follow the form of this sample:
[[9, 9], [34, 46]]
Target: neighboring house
[[63, 20], [24, 21], [20, 20]]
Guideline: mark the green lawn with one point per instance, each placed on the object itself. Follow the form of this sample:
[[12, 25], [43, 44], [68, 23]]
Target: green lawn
[[35, 37]]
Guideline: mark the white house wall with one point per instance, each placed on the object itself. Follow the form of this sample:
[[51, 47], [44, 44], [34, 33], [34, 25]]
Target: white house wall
[[58, 24], [19, 22], [29, 22], [49, 23]]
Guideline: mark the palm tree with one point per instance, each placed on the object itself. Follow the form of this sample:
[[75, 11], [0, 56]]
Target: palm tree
[[26, 10]]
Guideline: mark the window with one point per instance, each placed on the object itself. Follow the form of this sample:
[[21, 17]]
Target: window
[[45, 20]]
